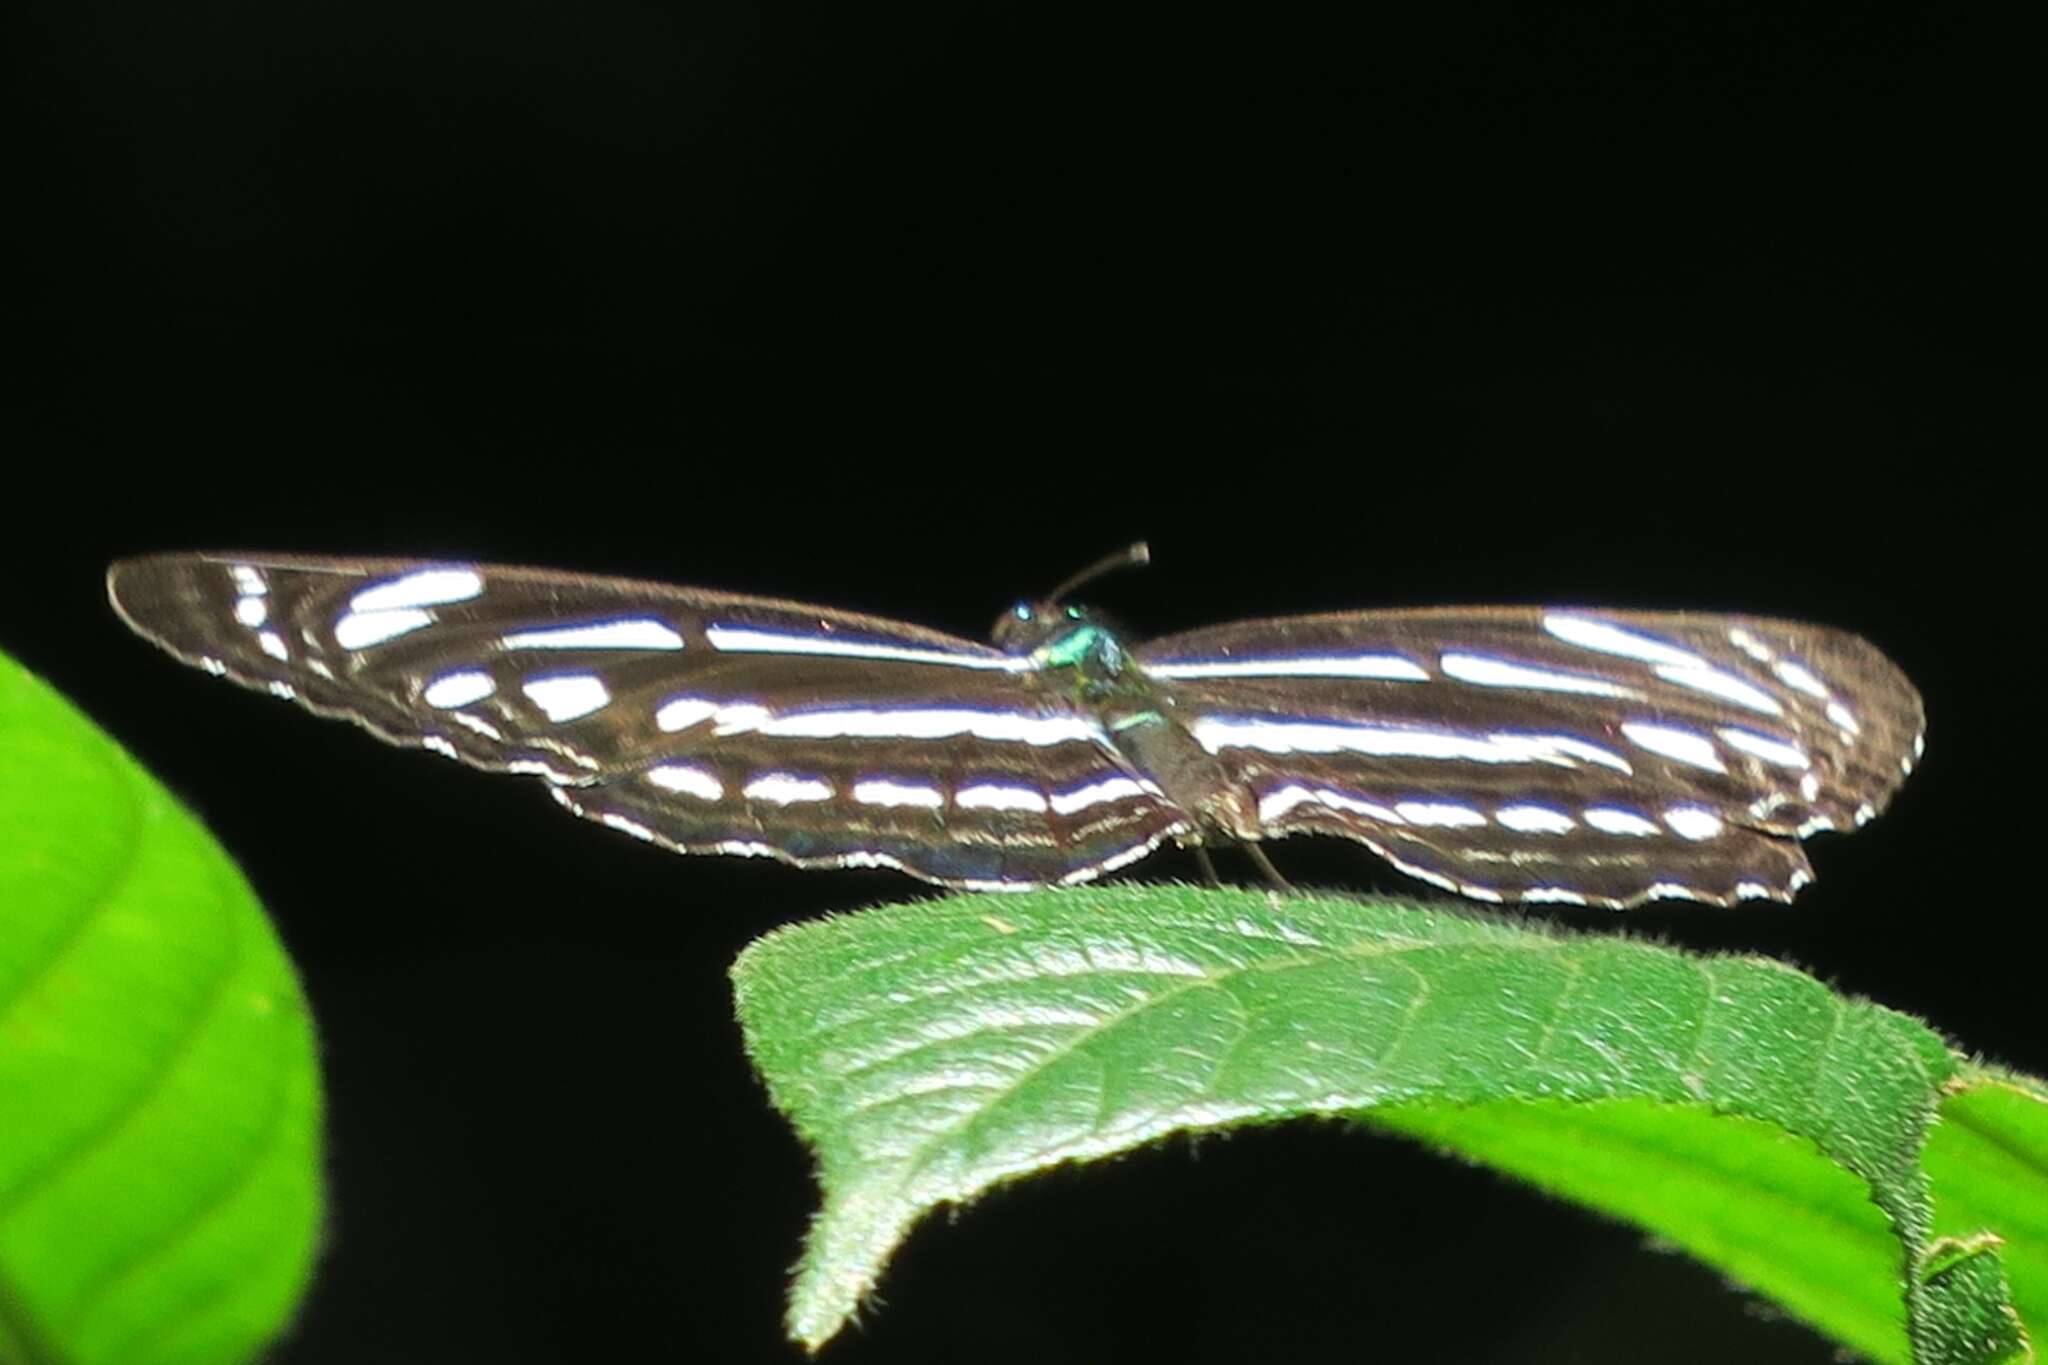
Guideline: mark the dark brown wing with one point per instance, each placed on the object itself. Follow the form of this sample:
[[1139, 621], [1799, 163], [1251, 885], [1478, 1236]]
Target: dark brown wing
[[1563, 754], [704, 721]]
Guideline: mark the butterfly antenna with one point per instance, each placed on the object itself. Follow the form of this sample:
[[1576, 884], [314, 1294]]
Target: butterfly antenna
[[1131, 556]]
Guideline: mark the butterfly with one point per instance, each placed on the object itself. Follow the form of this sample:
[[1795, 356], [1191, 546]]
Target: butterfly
[[1509, 754]]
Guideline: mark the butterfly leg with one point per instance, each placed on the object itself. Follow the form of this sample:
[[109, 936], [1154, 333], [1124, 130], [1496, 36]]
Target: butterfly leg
[[1267, 870], [1209, 877]]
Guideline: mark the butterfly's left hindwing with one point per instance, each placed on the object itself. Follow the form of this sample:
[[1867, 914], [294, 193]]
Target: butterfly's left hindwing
[[708, 722]]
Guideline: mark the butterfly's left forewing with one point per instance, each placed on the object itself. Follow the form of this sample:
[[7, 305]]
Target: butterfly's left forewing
[[704, 721], [1580, 756]]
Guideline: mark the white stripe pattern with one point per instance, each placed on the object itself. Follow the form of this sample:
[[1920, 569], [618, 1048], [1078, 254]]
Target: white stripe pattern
[[1615, 820], [1386, 667], [1098, 793], [1693, 822], [1481, 671], [1000, 796], [422, 588], [1795, 675], [687, 779], [882, 791], [1217, 733], [1446, 813], [1774, 751], [634, 633], [567, 696], [1281, 800], [1684, 746], [786, 789], [1603, 637], [390, 609], [753, 640], [1528, 819], [923, 722], [1714, 683], [361, 629], [459, 688]]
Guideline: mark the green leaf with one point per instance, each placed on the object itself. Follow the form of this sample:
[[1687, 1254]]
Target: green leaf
[[159, 1099], [1988, 1159], [1732, 1106]]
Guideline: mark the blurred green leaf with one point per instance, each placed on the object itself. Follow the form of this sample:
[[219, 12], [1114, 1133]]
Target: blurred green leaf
[[1732, 1106], [159, 1097]]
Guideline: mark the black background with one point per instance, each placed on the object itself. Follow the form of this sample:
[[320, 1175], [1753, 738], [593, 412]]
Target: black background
[[914, 308]]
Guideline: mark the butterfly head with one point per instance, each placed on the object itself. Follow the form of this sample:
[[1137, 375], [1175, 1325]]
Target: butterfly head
[[1060, 635], [1057, 634]]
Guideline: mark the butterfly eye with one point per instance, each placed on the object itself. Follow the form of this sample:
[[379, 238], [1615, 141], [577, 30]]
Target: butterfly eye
[[1073, 613]]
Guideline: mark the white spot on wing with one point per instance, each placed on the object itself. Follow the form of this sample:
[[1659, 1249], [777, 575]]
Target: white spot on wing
[[1693, 822], [680, 713], [1750, 645], [1553, 895], [882, 791], [1281, 800], [1388, 667], [273, 645], [752, 640], [459, 688], [1796, 676], [1447, 813], [421, 588], [567, 696], [478, 724], [1217, 733], [248, 580], [1528, 819], [625, 826], [1000, 796], [1726, 686], [1096, 794], [252, 610], [1774, 751], [687, 779], [637, 633], [1482, 671], [361, 629], [1685, 746], [1615, 820], [1605, 638], [786, 789], [922, 722]]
